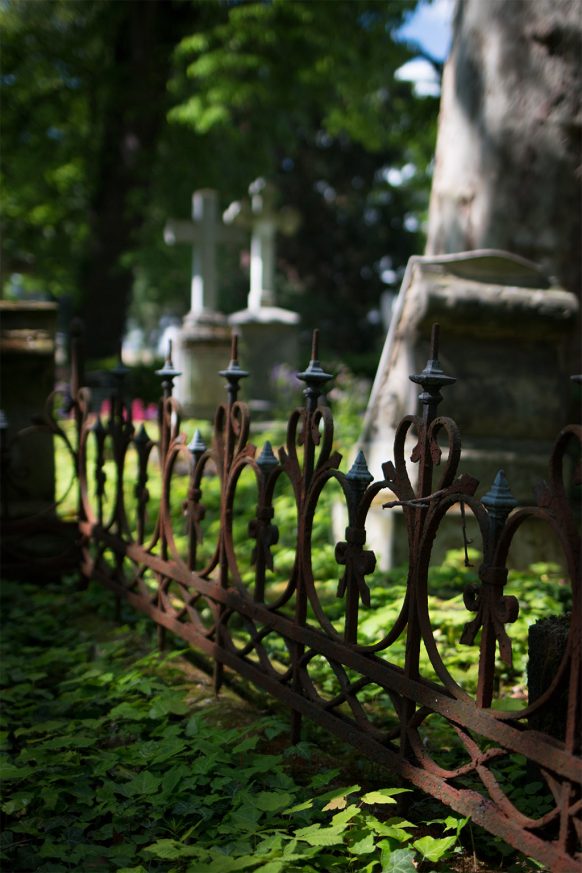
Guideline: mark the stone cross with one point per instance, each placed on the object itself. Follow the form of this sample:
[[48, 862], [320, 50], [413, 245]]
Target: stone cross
[[264, 221], [204, 233]]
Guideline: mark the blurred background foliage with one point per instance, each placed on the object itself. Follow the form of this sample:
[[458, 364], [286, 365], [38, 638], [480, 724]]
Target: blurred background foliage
[[113, 113]]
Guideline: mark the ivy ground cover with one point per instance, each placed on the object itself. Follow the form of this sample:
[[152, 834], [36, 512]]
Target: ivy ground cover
[[110, 762]]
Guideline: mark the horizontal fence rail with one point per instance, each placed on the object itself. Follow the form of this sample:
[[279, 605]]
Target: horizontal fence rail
[[196, 544]]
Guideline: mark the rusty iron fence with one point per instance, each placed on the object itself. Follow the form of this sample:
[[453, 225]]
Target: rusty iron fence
[[181, 559]]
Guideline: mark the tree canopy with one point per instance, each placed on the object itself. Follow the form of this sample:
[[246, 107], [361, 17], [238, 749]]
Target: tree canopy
[[114, 112]]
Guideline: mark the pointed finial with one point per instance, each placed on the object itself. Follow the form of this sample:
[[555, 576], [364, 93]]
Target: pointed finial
[[267, 460], [197, 446], [359, 473], [314, 376], [234, 372], [359, 477], [141, 439], [432, 377], [499, 497], [168, 372], [499, 501]]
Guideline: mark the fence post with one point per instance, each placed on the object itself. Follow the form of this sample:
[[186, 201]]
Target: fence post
[[233, 374], [315, 379], [169, 426], [432, 379]]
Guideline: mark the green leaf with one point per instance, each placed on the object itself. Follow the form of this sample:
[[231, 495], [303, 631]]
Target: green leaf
[[139, 869], [170, 850], [46, 727], [315, 835], [246, 744], [451, 823], [323, 779], [434, 849], [245, 820], [338, 798], [128, 711], [66, 742], [346, 815], [386, 829], [363, 846], [167, 749], [173, 777], [143, 783], [192, 726], [400, 861], [227, 864], [9, 772], [17, 804], [300, 807], [271, 801], [383, 795], [171, 703]]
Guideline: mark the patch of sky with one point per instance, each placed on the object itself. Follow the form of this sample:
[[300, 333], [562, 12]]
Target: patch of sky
[[326, 190], [385, 267], [422, 74], [430, 27], [388, 277], [411, 223], [397, 176], [322, 139]]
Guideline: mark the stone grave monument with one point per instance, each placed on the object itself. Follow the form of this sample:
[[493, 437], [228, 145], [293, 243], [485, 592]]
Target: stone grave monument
[[203, 342], [503, 331], [269, 334], [506, 179], [27, 377]]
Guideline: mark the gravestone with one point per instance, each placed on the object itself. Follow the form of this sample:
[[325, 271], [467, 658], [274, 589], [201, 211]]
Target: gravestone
[[503, 331], [269, 333], [27, 377], [203, 342], [506, 178]]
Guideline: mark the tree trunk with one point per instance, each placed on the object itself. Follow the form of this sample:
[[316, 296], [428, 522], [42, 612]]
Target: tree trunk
[[132, 119], [507, 171]]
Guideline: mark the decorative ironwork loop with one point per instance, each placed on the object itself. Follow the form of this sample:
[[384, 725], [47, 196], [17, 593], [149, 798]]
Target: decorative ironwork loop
[[358, 562], [493, 609]]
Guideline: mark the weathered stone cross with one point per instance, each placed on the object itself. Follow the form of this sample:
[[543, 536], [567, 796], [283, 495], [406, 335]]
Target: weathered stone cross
[[264, 222], [204, 233]]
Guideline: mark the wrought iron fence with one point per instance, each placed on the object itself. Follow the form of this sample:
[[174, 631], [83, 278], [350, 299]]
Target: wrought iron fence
[[230, 596]]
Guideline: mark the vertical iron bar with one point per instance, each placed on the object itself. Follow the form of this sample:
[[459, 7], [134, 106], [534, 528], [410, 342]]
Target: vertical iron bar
[[196, 447], [233, 374], [431, 380], [315, 379], [168, 373], [499, 501]]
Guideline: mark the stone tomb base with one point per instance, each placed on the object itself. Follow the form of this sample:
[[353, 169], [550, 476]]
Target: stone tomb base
[[203, 349], [27, 377], [268, 339], [504, 335]]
